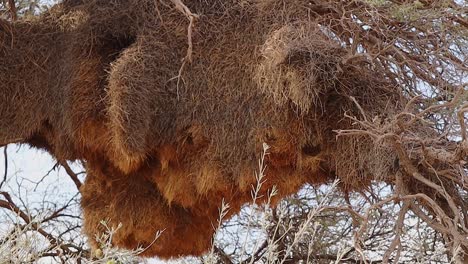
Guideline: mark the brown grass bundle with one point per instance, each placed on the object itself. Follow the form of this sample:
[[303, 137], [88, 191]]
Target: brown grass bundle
[[171, 123]]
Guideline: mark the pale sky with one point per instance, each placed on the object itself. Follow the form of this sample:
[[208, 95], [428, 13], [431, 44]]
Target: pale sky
[[28, 167]]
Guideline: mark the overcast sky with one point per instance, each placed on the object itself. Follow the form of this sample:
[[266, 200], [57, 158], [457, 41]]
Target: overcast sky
[[28, 167]]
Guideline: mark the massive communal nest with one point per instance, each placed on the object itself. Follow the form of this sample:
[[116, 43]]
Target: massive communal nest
[[169, 123]]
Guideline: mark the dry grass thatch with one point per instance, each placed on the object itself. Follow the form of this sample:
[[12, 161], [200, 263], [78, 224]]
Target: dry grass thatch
[[171, 123]]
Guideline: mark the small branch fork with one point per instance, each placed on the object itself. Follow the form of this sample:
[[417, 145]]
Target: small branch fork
[[181, 7], [31, 223], [437, 167], [56, 246]]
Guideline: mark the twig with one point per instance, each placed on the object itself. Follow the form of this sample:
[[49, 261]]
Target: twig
[[55, 242], [398, 230], [359, 107], [71, 173], [224, 258], [5, 155], [461, 118], [179, 5], [13, 11]]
